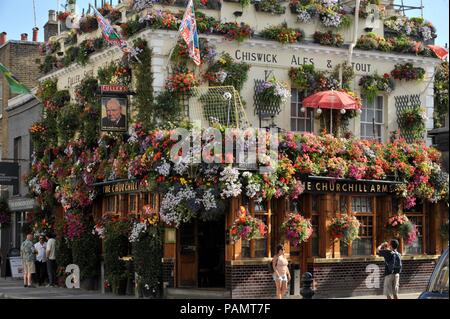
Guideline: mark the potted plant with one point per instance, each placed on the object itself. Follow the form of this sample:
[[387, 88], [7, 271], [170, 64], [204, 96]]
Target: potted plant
[[345, 228], [412, 121], [407, 72], [282, 34], [225, 71], [371, 85], [297, 229], [270, 6], [272, 92], [401, 227], [246, 227]]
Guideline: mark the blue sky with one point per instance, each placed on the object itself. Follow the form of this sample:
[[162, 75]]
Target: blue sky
[[16, 16]]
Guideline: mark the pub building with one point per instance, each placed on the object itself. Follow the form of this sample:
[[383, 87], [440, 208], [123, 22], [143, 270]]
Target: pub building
[[198, 254]]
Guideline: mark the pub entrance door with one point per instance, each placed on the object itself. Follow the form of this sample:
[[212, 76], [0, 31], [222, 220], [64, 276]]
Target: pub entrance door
[[201, 254]]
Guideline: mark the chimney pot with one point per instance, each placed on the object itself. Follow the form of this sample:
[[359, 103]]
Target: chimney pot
[[51, 16], [24, 37], [3, 38], [35, 34]]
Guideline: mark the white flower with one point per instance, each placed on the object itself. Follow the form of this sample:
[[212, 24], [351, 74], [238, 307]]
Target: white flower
[[232, 187], [221, 76], [304, 16], [170, 203], [163, 169], [426, 33], [209, 201], [138, 228], [181, 167], [331, 19]]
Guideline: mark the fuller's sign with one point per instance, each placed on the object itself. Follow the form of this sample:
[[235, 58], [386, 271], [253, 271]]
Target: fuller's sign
[[346, 186]]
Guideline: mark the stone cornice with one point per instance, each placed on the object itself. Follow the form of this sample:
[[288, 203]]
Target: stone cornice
[[254, 43]]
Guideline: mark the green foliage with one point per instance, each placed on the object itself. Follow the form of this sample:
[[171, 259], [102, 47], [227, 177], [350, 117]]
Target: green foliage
[[90, 123], [63, 253], [234, 73], [71, 55], [60, 98], [143, 100], [85, 253], [441, 100], [132, 27], [48, 65], [116, 247], [68, 122], [270, 6], [412, 121], [105, 73], [147, 255], [167, 110], [47, 90]]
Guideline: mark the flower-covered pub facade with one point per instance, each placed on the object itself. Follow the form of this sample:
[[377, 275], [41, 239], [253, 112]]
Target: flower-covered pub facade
[[342, 181]]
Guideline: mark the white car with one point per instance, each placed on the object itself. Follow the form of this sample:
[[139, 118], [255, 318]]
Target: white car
[[438, 285]]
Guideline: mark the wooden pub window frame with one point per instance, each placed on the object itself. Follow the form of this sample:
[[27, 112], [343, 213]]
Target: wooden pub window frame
[[349, 199], [106, 204], [306, 209], [134, 197], [268, 214], [422, 215]]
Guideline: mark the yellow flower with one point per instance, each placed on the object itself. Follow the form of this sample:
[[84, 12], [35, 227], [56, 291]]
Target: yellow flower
[[183, 181]]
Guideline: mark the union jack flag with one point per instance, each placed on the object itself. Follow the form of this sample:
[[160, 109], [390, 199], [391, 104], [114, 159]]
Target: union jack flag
[[112, 37], [189, 33]]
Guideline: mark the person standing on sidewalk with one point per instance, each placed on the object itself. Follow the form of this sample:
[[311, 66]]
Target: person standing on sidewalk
[[41, 260], [51, 259], [392, 269], [281, 274], [27, 253]]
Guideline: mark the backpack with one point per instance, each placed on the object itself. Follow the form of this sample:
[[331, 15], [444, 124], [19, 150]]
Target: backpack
[[270, 266], [397, 264]]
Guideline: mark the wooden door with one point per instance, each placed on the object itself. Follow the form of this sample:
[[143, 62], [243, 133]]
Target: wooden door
[[187, 255]]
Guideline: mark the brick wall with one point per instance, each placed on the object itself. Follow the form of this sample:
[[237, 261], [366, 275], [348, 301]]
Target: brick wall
[[168, 271], [249, 281], [23, 60], [349, 279]]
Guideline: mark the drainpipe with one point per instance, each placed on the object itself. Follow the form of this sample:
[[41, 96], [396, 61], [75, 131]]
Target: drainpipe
[[355, 34]]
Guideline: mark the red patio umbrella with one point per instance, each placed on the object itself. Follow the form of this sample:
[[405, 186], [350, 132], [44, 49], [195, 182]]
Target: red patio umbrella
[[336, 100], [440, 52]]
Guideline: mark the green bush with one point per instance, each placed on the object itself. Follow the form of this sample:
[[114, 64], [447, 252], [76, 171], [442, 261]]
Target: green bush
[[116, 247], [85, 253], [147, 255]]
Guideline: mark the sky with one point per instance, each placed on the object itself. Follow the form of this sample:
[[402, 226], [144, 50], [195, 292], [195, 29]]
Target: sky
[[17, 17]]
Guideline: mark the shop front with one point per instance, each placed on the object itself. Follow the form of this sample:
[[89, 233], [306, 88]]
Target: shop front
[[199, 255]]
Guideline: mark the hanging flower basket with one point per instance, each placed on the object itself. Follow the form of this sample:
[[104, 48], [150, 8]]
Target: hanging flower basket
[[345, 228], [401, 227], [246, 227], [297, 229]]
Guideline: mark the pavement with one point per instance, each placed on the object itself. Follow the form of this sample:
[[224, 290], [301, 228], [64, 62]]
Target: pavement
[[13, 289]]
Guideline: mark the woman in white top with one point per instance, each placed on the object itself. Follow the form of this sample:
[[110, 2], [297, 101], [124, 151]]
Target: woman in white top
[[281, 274]]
